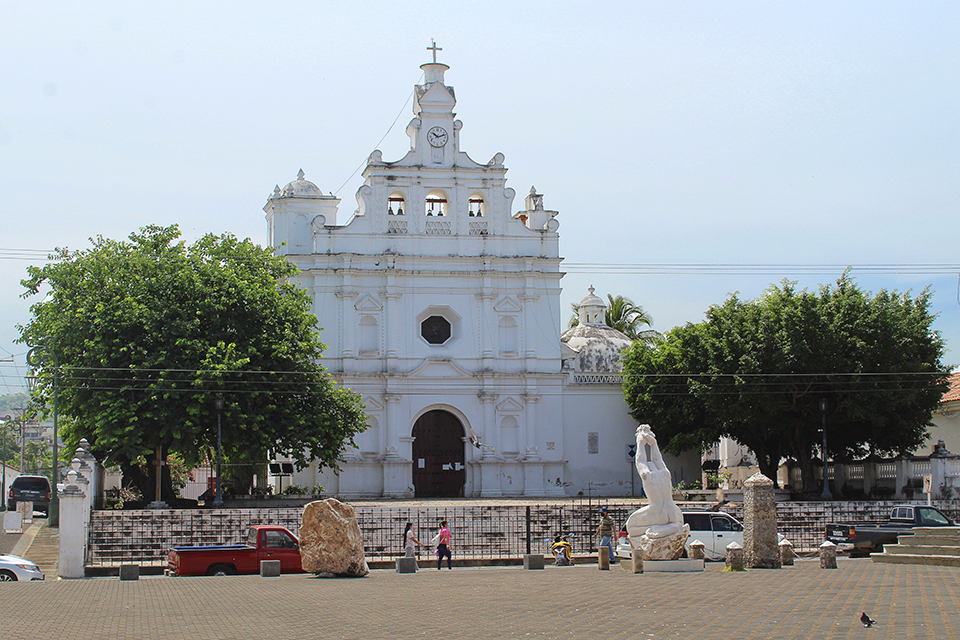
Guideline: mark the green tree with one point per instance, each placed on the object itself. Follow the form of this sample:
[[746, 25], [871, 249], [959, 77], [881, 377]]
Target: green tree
[[625, 316], [756, 371], [10, 440], [149, 331]]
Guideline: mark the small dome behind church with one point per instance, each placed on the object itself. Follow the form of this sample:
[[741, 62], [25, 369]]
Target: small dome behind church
[[302, 188], [592, 309], [598, 346]]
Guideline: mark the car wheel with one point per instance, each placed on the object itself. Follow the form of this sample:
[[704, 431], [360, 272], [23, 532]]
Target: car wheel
[[7, 576], [222, 570]]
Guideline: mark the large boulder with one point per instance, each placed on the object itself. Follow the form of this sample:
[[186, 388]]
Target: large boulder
[[330, 540]]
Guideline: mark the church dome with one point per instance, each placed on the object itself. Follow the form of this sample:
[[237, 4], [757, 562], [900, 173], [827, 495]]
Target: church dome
[[598, 347], [302, 188]]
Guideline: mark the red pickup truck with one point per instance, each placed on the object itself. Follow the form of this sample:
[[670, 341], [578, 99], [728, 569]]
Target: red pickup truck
[[263, 543]]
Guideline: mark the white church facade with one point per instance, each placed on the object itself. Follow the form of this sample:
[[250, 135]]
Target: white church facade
[[440, 305]]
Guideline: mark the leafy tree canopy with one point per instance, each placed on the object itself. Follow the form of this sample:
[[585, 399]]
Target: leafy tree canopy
[[756, 371], [624, 315], [149, 331]]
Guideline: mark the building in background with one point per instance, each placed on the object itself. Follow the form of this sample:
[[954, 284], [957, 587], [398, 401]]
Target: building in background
[[441, 305]]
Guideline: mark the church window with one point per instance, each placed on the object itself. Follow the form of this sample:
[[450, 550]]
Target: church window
[[369, 335], [508, 336], [436, 204], [435, 329], [509, 436], [475, 207], [395, 204], [593, 442]]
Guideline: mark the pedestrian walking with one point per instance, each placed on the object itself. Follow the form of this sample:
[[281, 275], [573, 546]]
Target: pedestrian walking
[[605, 532], [443, 546], [409, 540]]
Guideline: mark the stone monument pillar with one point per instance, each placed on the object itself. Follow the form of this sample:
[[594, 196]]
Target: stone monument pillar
[[760, 523]]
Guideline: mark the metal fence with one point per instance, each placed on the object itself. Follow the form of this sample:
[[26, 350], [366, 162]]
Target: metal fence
[[493, 532]]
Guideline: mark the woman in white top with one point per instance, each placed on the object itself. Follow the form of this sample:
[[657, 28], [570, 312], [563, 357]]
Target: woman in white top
[[409, 540]]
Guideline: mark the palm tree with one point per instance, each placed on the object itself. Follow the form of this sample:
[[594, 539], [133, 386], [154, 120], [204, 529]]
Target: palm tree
[[627, 317]]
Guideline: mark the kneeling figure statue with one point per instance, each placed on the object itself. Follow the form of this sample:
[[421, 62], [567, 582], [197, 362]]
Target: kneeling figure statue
[[657, 529]]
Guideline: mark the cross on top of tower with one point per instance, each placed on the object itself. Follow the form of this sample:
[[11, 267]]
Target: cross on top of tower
[[434, 48]]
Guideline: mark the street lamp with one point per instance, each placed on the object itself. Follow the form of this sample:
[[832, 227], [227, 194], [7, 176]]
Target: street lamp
[[826, 495], [218, 500], [37, 357]]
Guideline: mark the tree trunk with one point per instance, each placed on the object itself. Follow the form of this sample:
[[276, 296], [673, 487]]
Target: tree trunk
[[807, 475], [769, 464]]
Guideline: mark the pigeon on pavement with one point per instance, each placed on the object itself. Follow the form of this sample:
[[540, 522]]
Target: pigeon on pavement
[[865, 619]]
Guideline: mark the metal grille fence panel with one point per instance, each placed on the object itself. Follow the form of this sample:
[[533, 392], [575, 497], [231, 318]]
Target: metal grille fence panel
[[495, 532]]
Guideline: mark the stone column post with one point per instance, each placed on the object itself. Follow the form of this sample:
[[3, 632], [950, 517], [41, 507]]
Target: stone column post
[[937, 472], [72, 549], [786, 553], [869, 475], [735, 559], [697, 550], [828, 555], [760, 523], [903, 467]]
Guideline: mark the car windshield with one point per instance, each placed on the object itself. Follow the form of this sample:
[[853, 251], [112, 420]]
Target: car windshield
[[252, 538]]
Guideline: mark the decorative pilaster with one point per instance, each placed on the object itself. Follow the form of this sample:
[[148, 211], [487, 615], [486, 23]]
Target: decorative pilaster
[[391, 321], [397, 467], [529, 324], [532, 463]]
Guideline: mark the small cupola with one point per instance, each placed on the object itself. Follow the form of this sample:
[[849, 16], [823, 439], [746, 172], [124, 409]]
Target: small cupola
[[301, 188], [295, 211], [592, 309]]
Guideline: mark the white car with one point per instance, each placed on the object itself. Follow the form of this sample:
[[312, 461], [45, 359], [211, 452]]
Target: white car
[[17, 569], [714, 529]]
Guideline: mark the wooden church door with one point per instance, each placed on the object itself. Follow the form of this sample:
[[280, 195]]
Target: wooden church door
[[438, 456]]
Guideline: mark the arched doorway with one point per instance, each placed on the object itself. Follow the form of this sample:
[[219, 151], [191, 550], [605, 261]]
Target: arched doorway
[[438, 455]]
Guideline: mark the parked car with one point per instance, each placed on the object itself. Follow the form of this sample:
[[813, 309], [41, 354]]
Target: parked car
[[35, 489], [17, 569], [714, 529], [263, 543], [864, 538]]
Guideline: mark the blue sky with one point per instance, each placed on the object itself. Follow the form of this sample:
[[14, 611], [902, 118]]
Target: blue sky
[[796, 137]]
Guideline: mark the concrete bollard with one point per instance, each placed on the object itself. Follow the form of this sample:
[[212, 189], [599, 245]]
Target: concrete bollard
[[269, 568], [786, 553], [696, 550], [533, 561], [406, 565], [735, 559], [828, 555], [129, 572], [603, 558], [636, 558]]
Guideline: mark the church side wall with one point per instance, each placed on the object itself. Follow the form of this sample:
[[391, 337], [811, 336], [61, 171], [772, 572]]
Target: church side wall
[[596, 418]]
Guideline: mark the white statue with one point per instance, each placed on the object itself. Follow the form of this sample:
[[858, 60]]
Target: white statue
[[657, 528]]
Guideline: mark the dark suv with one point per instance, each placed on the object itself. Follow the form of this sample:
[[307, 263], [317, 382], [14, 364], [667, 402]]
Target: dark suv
[[35, 489]]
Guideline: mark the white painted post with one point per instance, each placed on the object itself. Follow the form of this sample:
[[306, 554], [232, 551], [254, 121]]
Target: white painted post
[[72, 528]]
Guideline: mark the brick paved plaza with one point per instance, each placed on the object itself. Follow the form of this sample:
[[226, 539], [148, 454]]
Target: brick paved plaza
[[505, 602]]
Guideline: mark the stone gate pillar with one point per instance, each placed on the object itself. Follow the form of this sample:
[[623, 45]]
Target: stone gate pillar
[[72, 549], [760, 523]]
